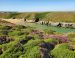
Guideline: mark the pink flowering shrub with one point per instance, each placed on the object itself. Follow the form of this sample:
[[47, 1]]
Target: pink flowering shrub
[[61, 39]]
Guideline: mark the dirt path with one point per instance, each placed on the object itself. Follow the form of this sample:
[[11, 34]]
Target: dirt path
[[15, 21]]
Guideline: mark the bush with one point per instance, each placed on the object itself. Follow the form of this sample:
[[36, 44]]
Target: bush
[[4, 32], [31, 49], [26, 39], [71, 35], [33, 43], [72, 39], [50, 40], [13, 52], [49, 31], [32, 53], [20, 27], [62, 51], [5, 27], [60, 38], [16, 33]]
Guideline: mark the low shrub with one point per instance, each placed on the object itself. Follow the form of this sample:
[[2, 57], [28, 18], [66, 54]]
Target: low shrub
[[31, 49], [32, 53], [60, 38], [5, 39], [49, 40], [13, 52], [71, 35], [32, 43], [16, 33], [20, 27], [62, 51], [4, 32], [49, 31], [5, 27]]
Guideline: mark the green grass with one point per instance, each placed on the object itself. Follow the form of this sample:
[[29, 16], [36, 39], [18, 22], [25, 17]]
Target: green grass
[[62, 51], [32, 53], [30, 49], [56, 29]]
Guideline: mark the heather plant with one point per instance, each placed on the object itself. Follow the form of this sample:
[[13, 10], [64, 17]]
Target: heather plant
[[60, 38], [5, 27], [49, 31], [49, 40], [32, 53], [20, 27], [71, 35], [31, 49], [62, 51], [15, 33], [33, 43], [13, 52], [27, 40], [4, 32], [7, 46], [72, 39]]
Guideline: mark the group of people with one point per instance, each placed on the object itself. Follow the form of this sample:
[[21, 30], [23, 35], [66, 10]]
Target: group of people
[[58, 24], [34, 20]]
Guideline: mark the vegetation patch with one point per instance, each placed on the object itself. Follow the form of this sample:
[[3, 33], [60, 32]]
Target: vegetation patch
[[62, 51], [5, 39]]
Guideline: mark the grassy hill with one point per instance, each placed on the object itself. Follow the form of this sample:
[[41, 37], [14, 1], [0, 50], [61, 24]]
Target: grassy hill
[[36, 41], [28, 42], [50, 16]]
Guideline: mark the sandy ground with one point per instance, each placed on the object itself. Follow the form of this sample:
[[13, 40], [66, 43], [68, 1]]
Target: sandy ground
[[15, 21]]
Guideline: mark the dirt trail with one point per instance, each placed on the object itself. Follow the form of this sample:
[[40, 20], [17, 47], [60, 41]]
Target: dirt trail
[[15, 21]]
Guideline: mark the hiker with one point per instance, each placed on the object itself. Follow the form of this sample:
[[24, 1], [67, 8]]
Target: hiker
[[24, 19], [37, 19], [59, 25]]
